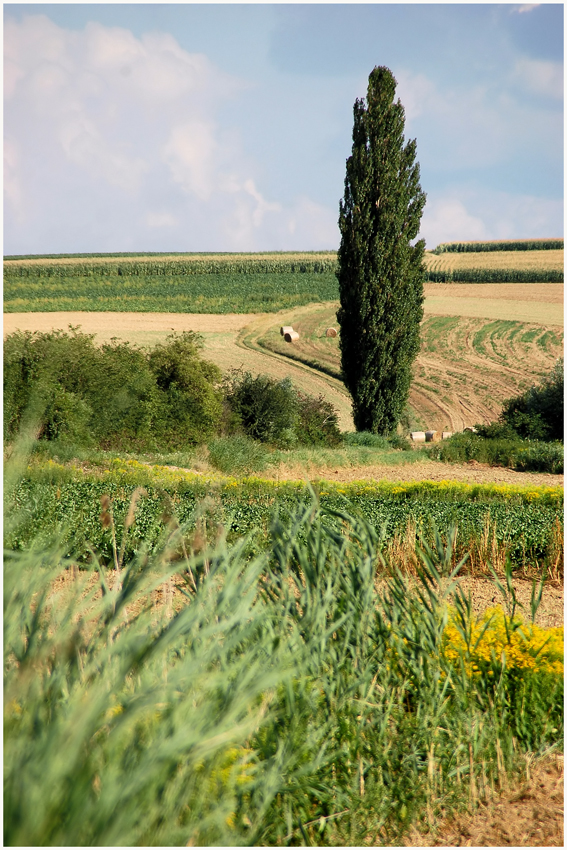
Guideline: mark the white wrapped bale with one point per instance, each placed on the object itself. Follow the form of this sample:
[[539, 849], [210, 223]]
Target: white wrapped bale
[[418, 436]]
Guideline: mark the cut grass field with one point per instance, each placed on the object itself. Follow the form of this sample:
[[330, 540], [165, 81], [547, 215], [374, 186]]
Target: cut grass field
[[476, 351]]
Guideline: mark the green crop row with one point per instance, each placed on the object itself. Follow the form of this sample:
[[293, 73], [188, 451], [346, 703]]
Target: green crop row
[[494, 276], [195, 293], [56, 499], [228, 264], [503, 245]]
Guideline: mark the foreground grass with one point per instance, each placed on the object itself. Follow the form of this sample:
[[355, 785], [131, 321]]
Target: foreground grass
[[199, 694]]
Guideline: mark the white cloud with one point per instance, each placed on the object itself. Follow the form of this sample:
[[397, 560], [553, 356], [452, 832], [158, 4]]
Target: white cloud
[[161, 219], [466, 214], [446, 219], [539, 77], [126, 120], [190, 153]]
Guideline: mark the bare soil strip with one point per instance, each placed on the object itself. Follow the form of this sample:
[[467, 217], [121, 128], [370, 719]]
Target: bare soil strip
[[529, 814]]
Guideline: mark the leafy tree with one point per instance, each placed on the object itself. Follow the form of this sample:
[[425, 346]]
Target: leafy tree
[[379, 270]]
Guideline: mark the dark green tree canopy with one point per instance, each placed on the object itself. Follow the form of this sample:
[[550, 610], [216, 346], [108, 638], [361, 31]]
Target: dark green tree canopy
[[379, 269]]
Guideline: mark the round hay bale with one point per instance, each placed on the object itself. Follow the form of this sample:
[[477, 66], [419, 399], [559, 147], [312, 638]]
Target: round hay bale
[[286, 329], [447, 434], [331, 332], [291, 336], [418, 436], [432, 436]]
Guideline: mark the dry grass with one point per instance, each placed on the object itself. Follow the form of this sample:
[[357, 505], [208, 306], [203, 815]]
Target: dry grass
[[525, 260], [172, 258]]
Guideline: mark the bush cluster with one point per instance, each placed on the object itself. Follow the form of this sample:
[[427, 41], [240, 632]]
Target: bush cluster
[[123, 396], [115, 395], [538, 414], [275, 412], [501, 449]]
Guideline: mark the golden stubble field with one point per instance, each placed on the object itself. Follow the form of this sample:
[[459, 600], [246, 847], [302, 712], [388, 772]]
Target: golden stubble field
[[481, 344]]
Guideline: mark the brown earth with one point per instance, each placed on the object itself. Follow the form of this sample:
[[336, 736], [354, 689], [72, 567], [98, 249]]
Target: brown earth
[[426, 470], [529, 814]]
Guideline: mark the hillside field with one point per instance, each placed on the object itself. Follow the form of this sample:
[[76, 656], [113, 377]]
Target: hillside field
[[476, 350]]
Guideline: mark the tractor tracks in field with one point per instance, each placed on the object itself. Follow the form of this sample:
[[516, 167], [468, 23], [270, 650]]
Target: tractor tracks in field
[[306, 378]]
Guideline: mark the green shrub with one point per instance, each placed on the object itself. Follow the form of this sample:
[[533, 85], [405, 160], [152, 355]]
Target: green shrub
[[538, 414], [189, 399], [317, 423], [237, 455], [276, 412], [117, 395], [367, 439], [266, 409], [506, 450]]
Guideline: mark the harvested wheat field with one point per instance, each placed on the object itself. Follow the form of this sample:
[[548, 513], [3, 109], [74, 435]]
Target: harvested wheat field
[[481, 344], [471, 358]]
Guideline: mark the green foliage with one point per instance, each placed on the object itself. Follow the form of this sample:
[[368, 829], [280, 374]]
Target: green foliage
[[189, 401], [275, 412], [238, 455], [539, 413], [371, 440], [204, 293], [507, 450], [56, 499], [317, 424], [277, 700], [380, 271], [265, 408], [502, 245], [213, 283], [114, 395], [494, 276]]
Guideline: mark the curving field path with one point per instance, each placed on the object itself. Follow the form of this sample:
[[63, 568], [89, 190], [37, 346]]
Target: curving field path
[[481, 344]]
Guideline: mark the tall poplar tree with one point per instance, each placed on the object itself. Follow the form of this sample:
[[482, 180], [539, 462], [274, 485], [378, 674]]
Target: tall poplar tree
[[379, 270]]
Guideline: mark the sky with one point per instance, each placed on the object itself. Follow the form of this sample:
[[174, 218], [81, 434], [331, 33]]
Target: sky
[[226, 127]]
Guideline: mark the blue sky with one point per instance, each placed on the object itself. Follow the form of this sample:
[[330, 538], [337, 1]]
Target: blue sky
[[226, 127]]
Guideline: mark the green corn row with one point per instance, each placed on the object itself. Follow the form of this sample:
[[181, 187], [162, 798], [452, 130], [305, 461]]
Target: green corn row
[[226, 265], [504, 245], [494, 276]]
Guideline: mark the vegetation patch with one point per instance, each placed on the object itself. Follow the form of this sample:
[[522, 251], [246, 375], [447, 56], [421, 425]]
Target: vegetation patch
[[192, 694], [65, 499]]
